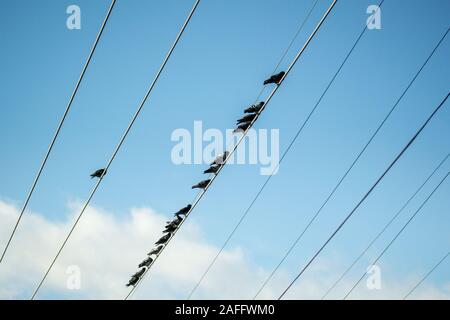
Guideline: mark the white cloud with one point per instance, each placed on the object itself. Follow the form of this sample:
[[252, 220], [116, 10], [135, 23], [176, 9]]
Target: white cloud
[[107, 250]]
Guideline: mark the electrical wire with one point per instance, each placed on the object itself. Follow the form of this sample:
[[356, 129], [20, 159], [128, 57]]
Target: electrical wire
[[352, 165], [406, 147], [426, 276], [116, 150], [355, 261], [398, 234], [202, 193]]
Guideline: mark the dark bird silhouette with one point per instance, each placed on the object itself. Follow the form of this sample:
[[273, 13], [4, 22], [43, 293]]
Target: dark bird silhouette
[[170, 228], [99, 173], [175, 222], [155, 251], [163, 239], [247, 118], [201, 184], [184, 210], [136, 277], [221, 159], [276, 78], [146, 262], [212, 169], [242, 127], [254, 108]]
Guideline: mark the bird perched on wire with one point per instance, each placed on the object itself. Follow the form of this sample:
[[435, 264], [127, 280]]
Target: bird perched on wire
[[175, 222], [136, 277], [242, 127], [201, 184], [254, 108], [183, 211], [276, 78], [146, 263], [98, 173], [213, 169], [155, 251], [163, 239], [221, 159], [247, 118]]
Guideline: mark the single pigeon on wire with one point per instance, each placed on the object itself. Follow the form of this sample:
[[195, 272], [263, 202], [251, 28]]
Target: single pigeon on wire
[[201, 184], [247, 118], [213, 169], [276, 78], [146, 263], [163, 239], [183, 211], [175, 222], [98, 173], [242, 127], [155, 251], [170, 228], [254, 108], [221, 159], [136, 277], [133, 281]]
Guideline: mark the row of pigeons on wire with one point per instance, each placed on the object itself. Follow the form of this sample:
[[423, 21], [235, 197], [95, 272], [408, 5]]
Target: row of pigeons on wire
[[250, 116]]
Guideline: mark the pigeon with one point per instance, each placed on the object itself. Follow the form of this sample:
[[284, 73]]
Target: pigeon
[[175, 222], [242, 127], [170, 229], [133, 281], [246, 118], [155, 251], [276, 78], [212, 169], [201, 184], [221, 159], [99, 173], [254, 108], [146, 262], [136, 277], [184, 210], [163, 239]]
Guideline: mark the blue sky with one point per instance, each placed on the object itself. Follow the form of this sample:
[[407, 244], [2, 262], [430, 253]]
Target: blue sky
[[229, 48]]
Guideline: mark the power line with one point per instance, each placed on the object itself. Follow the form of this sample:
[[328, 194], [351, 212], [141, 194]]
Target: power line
[[385, 227], [202, 193], [352, 165], [398, 234], [426, 276], [58, 129], [121, 141], [406, 147], [281, 160]]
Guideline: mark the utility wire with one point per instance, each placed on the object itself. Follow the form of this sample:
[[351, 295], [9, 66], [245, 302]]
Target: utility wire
[[355, 161], [120, 142], [398, 234], [385, 228], [256, 100], [202, 193], [426, 276], [406, 147], [299, 30], [58, 129]]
